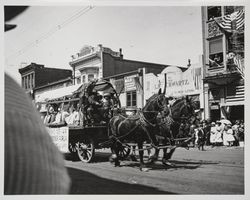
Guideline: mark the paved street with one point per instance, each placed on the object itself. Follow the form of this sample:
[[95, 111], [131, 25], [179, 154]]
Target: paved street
[[217, 170]]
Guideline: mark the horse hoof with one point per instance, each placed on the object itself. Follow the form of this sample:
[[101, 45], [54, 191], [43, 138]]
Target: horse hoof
[[144, 169], [117, 164]]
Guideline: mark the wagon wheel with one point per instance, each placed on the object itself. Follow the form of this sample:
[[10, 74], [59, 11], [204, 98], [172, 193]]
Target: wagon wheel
[[86, 151], [124, 152]]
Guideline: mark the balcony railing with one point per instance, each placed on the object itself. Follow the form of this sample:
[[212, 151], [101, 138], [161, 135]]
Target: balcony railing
[[213, 29]]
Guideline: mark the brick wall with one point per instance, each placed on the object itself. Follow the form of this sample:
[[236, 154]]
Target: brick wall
[[113, 65], [49, 75]]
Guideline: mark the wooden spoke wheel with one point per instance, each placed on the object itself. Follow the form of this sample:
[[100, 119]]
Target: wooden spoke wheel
[[124, 152], [86, 151]]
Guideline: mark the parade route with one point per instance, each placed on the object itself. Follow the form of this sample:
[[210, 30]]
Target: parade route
[[218, 170]]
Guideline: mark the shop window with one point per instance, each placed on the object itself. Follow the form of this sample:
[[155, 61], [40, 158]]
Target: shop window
[[215, 94], [91, 77], [131, 99], [213, 11], [215, 53], [215, 111]]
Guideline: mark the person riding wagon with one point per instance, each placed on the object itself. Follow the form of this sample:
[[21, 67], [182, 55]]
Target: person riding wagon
[[94, 105]]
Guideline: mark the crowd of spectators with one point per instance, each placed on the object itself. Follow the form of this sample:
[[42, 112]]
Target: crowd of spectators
[[219, 133]]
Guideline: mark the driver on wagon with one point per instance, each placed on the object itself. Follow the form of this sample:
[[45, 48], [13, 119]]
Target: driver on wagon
[[107, 105], [94, 104]]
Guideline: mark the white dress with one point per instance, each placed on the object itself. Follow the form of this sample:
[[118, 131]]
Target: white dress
[[213, 134], [219, 134], [225, 142], [229, 135]]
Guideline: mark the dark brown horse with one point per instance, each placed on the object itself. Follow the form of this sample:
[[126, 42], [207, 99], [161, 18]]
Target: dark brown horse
[[138, 128], [181, 111]]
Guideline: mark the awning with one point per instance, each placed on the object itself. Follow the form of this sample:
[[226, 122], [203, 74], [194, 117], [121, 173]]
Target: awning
[[57, 93]]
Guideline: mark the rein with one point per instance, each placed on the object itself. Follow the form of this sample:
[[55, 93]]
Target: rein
[[145, 121]]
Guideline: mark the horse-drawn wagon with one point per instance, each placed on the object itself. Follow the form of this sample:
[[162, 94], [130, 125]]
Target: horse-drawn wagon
[[91, 129], [99, 127]]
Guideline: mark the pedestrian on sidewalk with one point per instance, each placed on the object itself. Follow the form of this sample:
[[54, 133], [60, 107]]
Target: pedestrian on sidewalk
[[219, 131], [229, 138], [213, 134]]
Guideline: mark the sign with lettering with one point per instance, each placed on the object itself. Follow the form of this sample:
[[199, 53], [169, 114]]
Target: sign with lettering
[[182, 83], [60, 137], [130, 83]]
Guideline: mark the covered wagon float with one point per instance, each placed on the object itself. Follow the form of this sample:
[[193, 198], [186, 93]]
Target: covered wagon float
[[82, 133], [102, 123]]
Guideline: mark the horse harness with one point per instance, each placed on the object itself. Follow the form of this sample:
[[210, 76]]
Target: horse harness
[[143, 122]]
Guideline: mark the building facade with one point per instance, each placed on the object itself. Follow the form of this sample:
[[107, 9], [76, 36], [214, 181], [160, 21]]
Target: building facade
[[223, 63], [37, 79], [128, 76]]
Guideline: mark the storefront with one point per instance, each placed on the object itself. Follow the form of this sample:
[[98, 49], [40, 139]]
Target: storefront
[[134, 88], [226, 100], [179, 83], [130, 89], [223, 50]]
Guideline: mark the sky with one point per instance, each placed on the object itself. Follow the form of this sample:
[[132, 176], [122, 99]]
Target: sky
[[50, 35]]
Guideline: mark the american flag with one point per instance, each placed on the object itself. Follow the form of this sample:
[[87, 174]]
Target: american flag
[[234, 21], [238, 63]]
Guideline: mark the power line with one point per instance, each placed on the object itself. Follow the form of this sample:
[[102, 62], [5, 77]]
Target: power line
[[51, 31]]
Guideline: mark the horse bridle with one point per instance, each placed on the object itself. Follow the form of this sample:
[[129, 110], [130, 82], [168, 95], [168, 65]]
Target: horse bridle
[[160, 105], [180, 118]]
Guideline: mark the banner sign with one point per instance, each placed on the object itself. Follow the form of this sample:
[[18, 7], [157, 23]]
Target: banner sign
[[182, 83], [179, 83], [119, 85], [60, 137], [130, 83]]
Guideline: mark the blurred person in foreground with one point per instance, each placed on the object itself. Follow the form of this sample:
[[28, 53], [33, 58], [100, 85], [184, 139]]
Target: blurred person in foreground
[[32, 163]]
